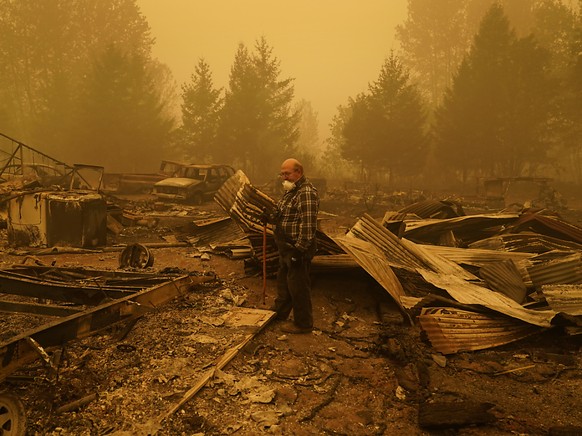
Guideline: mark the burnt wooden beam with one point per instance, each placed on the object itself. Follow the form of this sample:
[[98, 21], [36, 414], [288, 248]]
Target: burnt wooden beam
[[441, 415]]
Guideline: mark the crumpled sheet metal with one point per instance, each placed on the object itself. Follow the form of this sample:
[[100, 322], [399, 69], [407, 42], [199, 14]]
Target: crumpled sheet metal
[[434, 266], [435, 270], [215, 231], [244, 203], [472, 294], [525, 242], [469, 228], [564, 298], [505, 278], [374, 262], [564, 270], [548, 225], [434, 209], [478, 257], [451, 330], [401, 253]]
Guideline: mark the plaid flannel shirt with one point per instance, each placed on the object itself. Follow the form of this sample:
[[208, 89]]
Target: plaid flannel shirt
[[297, 214]]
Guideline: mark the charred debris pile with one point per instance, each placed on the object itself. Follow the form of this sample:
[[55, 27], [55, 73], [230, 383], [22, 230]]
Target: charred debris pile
[[470, 281]]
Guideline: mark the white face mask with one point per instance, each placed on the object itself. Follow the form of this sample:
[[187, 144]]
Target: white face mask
[[287, 185]]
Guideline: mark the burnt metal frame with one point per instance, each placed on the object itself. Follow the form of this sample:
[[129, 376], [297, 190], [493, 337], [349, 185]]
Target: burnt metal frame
[[96, 286], [30, 345]]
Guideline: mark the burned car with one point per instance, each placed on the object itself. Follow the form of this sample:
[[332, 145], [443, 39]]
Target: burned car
[[193, 184], [129, 183]]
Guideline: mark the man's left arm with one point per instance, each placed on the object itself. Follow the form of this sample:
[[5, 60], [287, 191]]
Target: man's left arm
[[308, 206]]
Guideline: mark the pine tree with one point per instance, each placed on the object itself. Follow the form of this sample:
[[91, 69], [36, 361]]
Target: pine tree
[[307, 145], [121, 122], [258, 127], [386, 129], [492, 119], [48, 48], [433, 41], [200, 110], [569, 118]]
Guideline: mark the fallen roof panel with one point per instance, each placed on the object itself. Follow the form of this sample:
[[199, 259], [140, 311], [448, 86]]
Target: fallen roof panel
[[216, 231], [550, 226], [469, 228], [477, 257], [565, 270], [505, 277], [374, 262], [451, 330], [401, 253], [526, 242], [434, 270], [469, 293], [245, 204], [434, 209], [564, 298]]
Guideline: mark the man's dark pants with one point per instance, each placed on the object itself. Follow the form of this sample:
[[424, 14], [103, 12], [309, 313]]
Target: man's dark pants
[[294, 287]]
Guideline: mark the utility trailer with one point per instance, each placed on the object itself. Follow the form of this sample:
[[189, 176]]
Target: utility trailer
[[94, 300]]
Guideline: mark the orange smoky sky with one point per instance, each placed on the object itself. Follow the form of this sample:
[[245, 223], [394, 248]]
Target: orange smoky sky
[[332, 48]]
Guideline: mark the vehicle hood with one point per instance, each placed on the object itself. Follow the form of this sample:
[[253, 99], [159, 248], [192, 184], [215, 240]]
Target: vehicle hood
[[178, 182]]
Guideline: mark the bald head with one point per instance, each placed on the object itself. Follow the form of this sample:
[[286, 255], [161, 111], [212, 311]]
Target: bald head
[[291, 169]]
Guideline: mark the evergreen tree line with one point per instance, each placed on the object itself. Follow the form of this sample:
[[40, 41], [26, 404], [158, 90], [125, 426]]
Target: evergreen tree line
[[472, 92], [77, 81], [511, 107], [253, 124]]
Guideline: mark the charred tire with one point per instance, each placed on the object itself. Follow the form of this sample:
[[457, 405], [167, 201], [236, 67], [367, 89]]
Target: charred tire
[[136, 256], [12, 416]]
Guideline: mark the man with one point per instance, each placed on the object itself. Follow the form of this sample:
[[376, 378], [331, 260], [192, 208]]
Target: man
[[295, 222]]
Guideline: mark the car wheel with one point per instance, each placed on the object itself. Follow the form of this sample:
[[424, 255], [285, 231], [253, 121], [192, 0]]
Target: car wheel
[[12, 416]]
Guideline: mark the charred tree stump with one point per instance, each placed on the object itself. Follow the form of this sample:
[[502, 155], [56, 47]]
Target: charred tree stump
[[454, 414]]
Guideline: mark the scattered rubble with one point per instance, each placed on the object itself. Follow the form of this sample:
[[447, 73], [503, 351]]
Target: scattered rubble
[[431, 318]]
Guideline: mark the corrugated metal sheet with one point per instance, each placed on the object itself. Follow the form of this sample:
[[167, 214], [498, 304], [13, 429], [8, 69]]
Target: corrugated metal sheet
[[401, 253], [395, 222], [374, 262], [566, 270], [526, 242], [416, 304], [468, 228], [477, 257], [550, 226], [367, 229], [452, 330], [399, 216], [564, 298], [245, 204], [216, 231], [471, 294], [505, 277], [334, 262], [434, 209]]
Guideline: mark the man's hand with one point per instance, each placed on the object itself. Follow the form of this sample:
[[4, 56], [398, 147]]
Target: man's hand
[[265, 217], [296, 255]]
